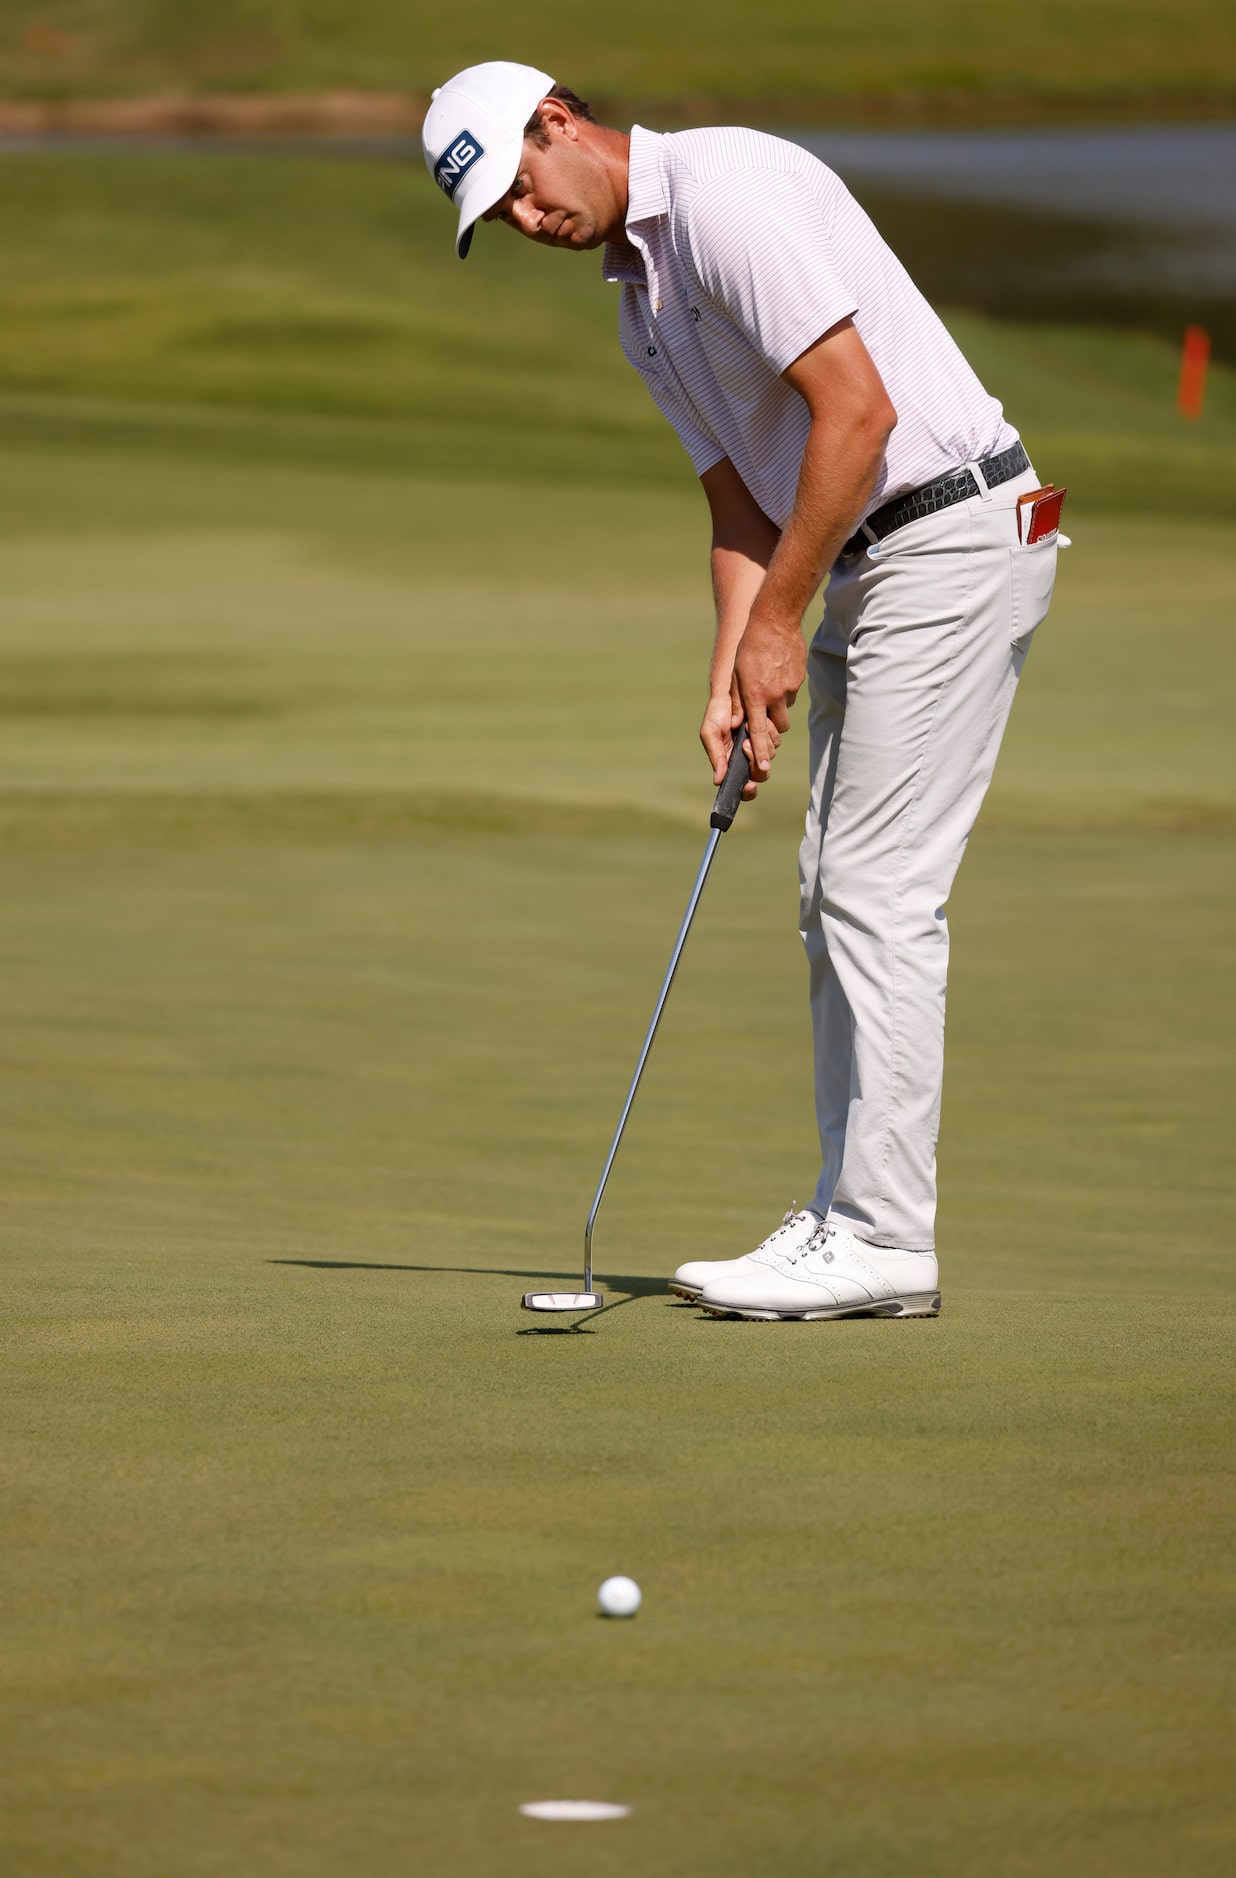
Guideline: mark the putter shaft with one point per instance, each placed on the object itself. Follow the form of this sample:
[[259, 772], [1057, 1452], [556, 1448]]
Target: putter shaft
[[711, 849]]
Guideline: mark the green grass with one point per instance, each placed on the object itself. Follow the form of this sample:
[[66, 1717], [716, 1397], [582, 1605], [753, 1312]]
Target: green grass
[[302, 309], [787, 57], [344, 844]]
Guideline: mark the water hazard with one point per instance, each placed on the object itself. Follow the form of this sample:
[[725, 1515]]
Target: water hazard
[[1114, 226]]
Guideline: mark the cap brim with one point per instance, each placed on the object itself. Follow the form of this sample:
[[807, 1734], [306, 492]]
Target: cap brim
[[500, 170]]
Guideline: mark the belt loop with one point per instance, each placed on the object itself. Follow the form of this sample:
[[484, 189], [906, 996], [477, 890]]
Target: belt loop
[[976, 470]]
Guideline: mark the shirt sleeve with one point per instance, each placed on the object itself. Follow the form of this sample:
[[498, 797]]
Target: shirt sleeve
[[761, 249]]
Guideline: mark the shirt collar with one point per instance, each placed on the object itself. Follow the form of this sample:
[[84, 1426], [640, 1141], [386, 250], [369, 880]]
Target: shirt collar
[[646, 199]]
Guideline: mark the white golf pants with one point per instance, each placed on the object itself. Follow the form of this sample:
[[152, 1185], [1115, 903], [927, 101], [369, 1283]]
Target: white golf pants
[[911, 675]]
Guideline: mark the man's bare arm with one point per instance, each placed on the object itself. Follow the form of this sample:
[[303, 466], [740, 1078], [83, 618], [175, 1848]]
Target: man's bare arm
[[852, 419], [743, 543]]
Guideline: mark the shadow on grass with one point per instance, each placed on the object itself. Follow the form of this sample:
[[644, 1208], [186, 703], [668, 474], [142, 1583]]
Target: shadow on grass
[[635, 1287], [632, 1287]]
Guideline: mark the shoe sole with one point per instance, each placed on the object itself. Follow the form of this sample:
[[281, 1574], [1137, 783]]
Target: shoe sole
[[689, 1292], [926, 1304]]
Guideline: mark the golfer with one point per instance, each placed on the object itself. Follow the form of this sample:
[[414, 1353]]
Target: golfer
[[837, 431]]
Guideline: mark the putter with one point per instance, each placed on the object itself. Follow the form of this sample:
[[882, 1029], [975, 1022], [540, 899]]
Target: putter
[[724, 809]]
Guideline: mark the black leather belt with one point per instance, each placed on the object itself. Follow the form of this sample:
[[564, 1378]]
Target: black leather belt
[[958, 486]]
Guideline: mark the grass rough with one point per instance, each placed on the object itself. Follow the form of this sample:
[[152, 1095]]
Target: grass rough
[[789, 59], [313, 311]]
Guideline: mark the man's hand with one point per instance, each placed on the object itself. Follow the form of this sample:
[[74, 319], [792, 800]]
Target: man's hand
[[768, 672], [721, 720]]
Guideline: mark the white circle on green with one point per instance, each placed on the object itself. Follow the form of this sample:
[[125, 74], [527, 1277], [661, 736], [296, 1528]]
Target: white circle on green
[[573, 1809]]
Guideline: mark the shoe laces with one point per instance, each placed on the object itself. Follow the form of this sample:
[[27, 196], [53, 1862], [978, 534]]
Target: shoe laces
[[817, 1237], [791, 1219], [772, 1250]]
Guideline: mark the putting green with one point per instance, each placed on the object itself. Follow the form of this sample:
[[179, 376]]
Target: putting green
[[344, 845]]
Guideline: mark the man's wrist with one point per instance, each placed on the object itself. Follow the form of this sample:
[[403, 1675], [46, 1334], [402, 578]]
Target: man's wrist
[[779, 622], [783, 599]]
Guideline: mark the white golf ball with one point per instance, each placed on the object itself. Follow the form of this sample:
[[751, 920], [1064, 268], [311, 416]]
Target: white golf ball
[[619, 1597]]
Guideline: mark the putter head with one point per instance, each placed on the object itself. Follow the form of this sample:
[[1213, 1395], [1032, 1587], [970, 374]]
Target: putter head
[[563, 1301]]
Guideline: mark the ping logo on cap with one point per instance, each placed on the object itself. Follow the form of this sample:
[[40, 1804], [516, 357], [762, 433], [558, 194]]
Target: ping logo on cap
[[453, 165]]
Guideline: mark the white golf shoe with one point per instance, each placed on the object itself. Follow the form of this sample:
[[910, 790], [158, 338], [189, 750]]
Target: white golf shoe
[[829, 1274], [791, 1235]]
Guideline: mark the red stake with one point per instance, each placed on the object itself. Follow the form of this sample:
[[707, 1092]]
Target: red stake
[[1194, 359]]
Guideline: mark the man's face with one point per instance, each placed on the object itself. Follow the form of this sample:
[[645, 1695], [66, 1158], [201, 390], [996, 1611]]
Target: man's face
[[562, 196]]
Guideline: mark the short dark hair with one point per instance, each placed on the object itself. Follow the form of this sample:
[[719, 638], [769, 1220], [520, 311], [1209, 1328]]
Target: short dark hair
[[577, 106]]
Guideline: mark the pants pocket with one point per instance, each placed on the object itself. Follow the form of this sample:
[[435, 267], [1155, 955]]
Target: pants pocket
[[1034, 574]]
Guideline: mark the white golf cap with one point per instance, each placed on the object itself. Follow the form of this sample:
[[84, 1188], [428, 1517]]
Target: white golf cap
[[473, 136]]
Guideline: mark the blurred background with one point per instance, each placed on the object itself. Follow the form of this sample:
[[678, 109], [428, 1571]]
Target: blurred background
[[353, 641]]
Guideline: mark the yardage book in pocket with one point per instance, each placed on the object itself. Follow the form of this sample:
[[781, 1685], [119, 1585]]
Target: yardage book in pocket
[[1038, 513]]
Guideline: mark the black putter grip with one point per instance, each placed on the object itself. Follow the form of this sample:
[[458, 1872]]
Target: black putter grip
[[729, 795]]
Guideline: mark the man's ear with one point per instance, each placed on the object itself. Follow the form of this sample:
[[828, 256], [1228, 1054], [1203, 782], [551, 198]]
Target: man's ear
[[558, 120]]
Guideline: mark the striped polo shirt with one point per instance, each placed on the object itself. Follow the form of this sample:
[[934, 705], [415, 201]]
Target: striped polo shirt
[[740, 251]]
